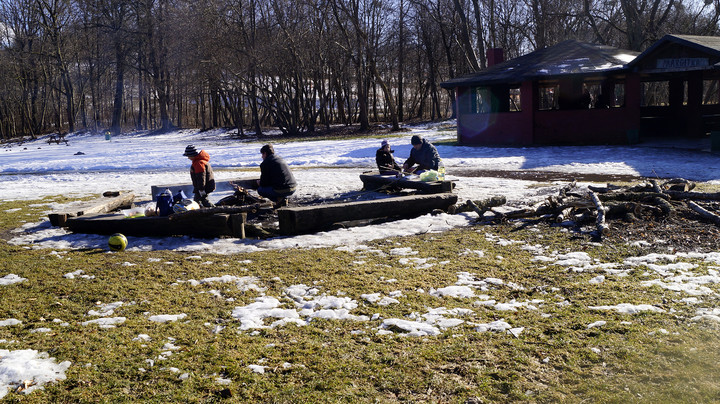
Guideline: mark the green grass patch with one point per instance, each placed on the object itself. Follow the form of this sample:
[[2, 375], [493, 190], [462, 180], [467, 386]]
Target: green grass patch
[[645, 357]]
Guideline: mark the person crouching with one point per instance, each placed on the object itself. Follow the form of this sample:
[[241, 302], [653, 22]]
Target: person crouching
[[276, 180], [385, 160], [202, 176]]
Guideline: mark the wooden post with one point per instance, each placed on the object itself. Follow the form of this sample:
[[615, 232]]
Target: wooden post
[[237, 224]]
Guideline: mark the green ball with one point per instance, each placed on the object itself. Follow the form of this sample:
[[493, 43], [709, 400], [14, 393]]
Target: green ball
[[117, 242]]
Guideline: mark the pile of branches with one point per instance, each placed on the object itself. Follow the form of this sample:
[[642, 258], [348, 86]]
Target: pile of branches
[[598, 205]]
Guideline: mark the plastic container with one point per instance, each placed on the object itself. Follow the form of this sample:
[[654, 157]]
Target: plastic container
[[441, 171]]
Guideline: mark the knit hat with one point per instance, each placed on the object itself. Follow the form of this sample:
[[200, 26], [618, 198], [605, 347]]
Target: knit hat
[[384, 143], [190, 151], [416, 140]]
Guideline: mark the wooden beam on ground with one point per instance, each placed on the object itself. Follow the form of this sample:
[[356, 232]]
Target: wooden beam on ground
[[99, 205], [194, 214], [374, 181], [161, 226], [187, 188], [308, 219]]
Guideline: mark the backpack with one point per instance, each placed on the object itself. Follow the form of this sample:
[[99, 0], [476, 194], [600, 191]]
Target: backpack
[[164, 205], [179, 196]]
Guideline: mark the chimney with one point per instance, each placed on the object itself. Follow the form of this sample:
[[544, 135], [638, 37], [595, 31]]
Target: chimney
[[494, 56]]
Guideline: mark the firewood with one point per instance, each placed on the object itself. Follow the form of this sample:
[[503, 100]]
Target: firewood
[[704, 213], [678, 184], [564, 190], [664, 205], [601, 225], [655, 187], [640, 188], [695, 196], [480, 207], [615, 210], [633, 196], [520, 214], [563, 215], [472, 205], [579, 203], [605, 189]]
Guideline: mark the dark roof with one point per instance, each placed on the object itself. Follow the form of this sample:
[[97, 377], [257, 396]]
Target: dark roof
[[705, 44], [566, 58]]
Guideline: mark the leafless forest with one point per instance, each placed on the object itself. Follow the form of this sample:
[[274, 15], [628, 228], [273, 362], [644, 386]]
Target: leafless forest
[[298, 65]]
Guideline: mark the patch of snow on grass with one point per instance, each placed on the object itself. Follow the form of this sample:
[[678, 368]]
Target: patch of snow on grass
[[9, 279], [17, 367]]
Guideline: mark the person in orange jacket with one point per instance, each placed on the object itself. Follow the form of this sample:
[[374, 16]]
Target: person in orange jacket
[[202, 176]]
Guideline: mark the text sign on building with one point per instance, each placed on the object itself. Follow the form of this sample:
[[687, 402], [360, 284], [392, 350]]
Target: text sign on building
[[682, 63]]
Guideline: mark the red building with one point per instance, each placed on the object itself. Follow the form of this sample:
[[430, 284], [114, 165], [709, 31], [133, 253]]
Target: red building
[[580, 93]]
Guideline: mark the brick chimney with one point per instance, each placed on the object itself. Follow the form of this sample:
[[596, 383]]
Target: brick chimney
[[494, 56]]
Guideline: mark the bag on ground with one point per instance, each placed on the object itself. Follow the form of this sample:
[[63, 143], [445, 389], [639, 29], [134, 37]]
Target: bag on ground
[[164, 205]]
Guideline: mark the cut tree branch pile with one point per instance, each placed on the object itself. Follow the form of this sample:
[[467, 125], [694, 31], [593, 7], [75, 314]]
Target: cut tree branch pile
[[600, 205]]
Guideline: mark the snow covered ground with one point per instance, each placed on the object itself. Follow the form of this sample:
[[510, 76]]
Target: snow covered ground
[[90, 165]]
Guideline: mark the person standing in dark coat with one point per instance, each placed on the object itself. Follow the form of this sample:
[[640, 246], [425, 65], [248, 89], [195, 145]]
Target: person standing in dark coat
[[276, 180], [424, 154], [201, 174], [385, 160]]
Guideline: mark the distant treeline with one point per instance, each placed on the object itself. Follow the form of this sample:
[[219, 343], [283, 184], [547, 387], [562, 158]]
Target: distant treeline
[[70, 65]]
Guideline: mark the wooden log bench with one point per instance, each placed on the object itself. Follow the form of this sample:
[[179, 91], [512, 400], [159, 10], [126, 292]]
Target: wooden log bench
[[103, 204], [372, 180], [187, 188], [206, 226], [309, 219]]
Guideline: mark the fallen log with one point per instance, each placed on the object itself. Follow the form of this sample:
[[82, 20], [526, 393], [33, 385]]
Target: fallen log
[[678, 184], [694, 196], [308, 219], [602, 227], [481, 206], [704, 213], [563, 215], [655, 187], [99, 205], [633, 196], [603, 190]]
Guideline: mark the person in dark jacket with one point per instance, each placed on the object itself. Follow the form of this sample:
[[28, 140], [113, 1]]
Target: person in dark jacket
[[202, 176], [385, 160], [424, 154], [276, 180]]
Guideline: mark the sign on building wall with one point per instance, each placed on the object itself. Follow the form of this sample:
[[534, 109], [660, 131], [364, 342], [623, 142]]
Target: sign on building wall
[[682, 63]]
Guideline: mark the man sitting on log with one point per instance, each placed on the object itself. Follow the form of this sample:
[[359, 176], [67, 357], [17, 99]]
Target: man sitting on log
[[276, 180], [385, 160], [424, 154], [201, 174]]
